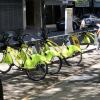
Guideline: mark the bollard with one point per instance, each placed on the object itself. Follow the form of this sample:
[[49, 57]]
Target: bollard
[[1, 90]]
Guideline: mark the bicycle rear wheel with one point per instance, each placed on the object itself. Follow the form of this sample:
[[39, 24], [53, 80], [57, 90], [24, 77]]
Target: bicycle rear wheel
[[55, 65], [38, 73], [75, 59]]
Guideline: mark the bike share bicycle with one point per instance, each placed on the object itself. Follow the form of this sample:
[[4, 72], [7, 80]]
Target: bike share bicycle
[[71, 54], [87, 36], [21, 57]]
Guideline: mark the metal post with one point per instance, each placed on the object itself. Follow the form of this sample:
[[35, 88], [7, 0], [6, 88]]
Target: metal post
[[66, 27], [43, 27], [1, 90]]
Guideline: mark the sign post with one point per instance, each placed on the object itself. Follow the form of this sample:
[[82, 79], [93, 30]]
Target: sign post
[[66, 21]]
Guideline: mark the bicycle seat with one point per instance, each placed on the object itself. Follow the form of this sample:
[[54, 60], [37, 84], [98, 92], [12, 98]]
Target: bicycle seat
[[12, 42], [10, 34]]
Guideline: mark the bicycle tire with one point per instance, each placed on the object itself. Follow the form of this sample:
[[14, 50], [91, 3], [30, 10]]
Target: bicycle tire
[[55, 66], [7, 70], [84, 46], [75, 59], [38, 73]]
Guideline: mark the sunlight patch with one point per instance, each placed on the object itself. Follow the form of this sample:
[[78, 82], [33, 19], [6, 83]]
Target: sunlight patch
[[52, 91]]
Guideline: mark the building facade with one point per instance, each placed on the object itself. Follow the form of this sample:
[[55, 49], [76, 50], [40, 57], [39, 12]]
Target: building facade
[[22, 14], [11, 14], [19, 14]]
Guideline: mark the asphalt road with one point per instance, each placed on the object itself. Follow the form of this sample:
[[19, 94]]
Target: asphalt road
[[72, 83]]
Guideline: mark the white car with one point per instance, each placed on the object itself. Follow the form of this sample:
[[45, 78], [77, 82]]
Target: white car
[[90, 20]]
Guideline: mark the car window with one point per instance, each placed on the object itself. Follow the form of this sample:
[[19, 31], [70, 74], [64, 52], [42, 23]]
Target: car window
[[86, 16]]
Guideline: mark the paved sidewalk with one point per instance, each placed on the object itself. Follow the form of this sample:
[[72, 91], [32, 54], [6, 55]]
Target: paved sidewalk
[[72, 83], [84, 86]]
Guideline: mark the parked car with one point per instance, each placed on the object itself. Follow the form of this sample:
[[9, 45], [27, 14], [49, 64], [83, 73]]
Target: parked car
[[76, 23], [60, 24], [90, 21]]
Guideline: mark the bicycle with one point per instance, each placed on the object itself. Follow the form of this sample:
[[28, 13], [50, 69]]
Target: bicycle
[[87, 39], [62, 53], [49, 50], [35, 68], [72, 52]]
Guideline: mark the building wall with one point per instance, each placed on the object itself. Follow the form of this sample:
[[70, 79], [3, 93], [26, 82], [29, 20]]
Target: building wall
[[11, 16], [97, 3]]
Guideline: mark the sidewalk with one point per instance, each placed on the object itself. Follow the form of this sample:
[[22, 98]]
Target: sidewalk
[[72, 83], [78, 87]]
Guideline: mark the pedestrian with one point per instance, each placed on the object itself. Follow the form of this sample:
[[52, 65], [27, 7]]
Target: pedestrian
[[98, 36], [82, 26]]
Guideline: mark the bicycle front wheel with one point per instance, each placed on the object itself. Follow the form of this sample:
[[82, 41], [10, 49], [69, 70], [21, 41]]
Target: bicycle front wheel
[[75, 59], [38, 73], [5, 68], [84, 46], [55, 65]]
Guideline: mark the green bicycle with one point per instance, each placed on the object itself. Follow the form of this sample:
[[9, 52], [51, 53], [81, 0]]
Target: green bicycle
[[55, 54], [32, 64]]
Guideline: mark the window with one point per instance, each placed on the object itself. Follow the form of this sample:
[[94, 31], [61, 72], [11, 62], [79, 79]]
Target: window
[[97, 0]]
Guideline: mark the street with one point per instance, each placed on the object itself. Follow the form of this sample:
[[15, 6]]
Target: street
[[72, 83]]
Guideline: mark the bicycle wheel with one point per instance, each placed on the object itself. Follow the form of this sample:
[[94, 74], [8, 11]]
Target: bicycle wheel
[[84, 46], [55, 65], [75, 59], [6, 68], [38, 73]]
